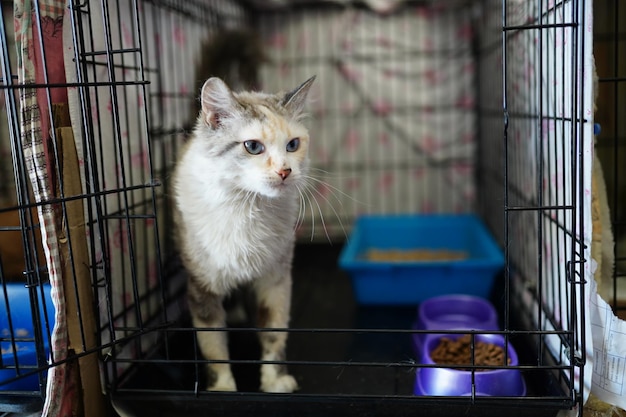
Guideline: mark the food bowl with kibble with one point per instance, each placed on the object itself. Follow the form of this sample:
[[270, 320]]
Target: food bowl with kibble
[[406, 259], [451, 369], [453, 312], [19, 352]]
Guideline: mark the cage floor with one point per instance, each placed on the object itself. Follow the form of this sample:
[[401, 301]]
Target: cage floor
[[322, 299]]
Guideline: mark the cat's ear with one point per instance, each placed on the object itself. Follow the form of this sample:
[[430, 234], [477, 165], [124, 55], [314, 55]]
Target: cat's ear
[[295, 100], [218, 102]]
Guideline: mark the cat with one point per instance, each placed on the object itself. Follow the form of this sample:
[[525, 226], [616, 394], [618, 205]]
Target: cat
[[237, 191]]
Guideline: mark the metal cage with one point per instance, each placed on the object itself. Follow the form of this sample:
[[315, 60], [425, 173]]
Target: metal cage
[[92, 129]]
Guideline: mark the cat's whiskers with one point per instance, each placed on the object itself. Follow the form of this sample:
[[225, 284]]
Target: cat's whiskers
[[309, 195], [309, 191], [313, 183], [333, 189], [301, 209], [319, 209]]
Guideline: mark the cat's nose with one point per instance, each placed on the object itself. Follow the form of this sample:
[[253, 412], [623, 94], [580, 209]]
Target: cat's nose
[[284, 173]]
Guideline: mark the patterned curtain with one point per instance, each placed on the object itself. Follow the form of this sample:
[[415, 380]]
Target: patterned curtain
[[37, 24]]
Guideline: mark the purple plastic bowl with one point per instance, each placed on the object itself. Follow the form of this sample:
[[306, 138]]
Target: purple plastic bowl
[[453, 312], [455, 382]]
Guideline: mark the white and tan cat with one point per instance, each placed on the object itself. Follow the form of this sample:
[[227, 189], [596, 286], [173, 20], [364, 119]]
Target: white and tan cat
[[237, 191]]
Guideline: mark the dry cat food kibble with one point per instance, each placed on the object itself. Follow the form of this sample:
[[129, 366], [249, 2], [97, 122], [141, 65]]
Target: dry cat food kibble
[[414, 255], [458, 352]]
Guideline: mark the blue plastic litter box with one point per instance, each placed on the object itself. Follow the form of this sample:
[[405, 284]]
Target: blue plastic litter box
[[410, 282], [22, 347]]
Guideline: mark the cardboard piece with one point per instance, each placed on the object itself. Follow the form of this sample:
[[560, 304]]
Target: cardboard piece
[[81, 323]]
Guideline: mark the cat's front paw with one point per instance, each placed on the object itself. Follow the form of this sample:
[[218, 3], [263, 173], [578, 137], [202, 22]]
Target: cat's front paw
[[225, 382], [281, 384]]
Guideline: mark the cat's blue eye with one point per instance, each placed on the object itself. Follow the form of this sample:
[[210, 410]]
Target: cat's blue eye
[[254, 147], [293, 145]]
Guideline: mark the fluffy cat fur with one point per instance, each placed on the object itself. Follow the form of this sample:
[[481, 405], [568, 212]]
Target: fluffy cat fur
[[237, 192]]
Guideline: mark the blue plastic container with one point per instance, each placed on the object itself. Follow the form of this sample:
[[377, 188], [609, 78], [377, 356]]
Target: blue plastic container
[[23, 345], [389, 282]]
